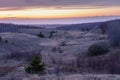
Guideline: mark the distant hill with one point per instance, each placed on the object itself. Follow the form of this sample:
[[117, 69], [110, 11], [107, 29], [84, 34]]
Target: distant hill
[[79, 26], [18, 42], [5, 27], [86, 25]]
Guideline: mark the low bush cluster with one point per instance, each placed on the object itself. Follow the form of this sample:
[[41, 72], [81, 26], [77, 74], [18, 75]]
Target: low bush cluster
[[98, 49], [41, 35], [109, 64], [63, 44], [52, 33]]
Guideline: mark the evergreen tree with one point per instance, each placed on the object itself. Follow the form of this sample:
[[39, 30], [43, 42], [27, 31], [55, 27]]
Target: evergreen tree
[[41, 35], [36, 65]]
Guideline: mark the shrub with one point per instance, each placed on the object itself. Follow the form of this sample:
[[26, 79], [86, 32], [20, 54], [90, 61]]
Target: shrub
[[12, 43], [103, 27], [54, 49], [57, 49], [6, 41], [97, 49], [41, 35], [51, 33], [106, 64], [60, 50], [63, 44], [35, 66]]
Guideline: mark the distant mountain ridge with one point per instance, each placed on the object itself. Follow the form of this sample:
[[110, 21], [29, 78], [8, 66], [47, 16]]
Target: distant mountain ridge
[[5, 27], [79, 26], [93, 25]]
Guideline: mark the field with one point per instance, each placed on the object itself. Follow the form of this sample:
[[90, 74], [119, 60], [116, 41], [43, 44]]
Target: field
[[64, 52]]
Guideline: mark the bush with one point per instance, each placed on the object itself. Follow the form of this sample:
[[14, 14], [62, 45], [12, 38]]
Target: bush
[[106, 64], [97, 49], [6, 41], [12, 43], [103, 27], [63, 44], [41, 35], [35, 66], [51, 33]]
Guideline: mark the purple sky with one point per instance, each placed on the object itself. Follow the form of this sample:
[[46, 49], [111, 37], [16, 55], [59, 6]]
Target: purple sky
[[20, 4], [19, 11]]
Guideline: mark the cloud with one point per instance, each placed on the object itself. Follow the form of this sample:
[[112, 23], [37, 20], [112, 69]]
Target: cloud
[[69, 4], [13, 8]]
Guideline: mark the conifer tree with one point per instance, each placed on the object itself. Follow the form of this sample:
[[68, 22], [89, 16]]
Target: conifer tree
[[36, 65]]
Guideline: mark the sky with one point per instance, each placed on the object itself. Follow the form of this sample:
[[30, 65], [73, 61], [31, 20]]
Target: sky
[[58, 11]]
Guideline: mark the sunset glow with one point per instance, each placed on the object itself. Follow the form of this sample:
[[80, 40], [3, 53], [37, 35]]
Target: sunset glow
[[37, 13], [37, 10]]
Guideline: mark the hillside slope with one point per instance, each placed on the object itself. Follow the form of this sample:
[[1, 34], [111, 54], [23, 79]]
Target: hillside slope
[[16, 42]]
